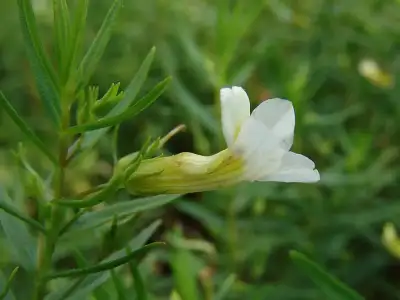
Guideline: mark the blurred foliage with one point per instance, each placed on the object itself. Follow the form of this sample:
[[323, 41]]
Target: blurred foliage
[[338, 61]]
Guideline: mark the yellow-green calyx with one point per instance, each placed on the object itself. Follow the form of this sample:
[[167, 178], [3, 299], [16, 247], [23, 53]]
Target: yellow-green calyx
[[185, 173]]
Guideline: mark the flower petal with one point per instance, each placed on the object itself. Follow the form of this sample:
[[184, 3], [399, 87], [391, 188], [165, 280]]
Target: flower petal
[[278, 115], [259, 148], [294, 168], [235, 109]]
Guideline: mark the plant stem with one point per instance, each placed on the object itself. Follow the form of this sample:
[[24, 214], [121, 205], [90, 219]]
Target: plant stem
[[55, 213]]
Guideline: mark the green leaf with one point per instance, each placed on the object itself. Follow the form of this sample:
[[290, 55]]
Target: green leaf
[[89, 139], [107, 265], [68, 292], [331, 286], [97, 197], [137, 280], [4, 103], [96, 49], [62, 28], [233, 22], [66, 227], [15, 213], [77, 33], [43, 71], [81, 262], [110, 99], [185, 274], [194, 108], [3, 286], [122, 209], [119, 286], [135, 85], [103, 292], [80, 259], [38, 187], [5, 290], [80, 289], [226, 286], [130, 112], [195, 54], [183, 97], [23, 243]]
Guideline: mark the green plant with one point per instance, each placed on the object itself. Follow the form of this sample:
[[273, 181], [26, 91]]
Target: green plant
[[234, 240], [79, 118]]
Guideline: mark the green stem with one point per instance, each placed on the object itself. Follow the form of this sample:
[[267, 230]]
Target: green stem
[[46, 244]]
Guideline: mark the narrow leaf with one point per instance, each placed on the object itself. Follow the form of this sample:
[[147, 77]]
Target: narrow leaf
[[15, 213], [3, 284], [77, 32], [185, 274], [62, 28], [94, 199], [43, 71], [119, 286], [82, 290], [135, 85], [81, 262], [103, 292], [226, 286], [23, 243], [66, 227], [184, 98], [130, 93], [7, 287], [70, 290], [40, 187], [332, 287], [137, 281], [195, 55], [130, 112], [80, 259], [122, 209], [96, 49], [105, 104], [107, 265], [4, 103]]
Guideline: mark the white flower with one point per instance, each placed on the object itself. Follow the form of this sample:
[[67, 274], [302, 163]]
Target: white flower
[[258, 150], [263, 138]]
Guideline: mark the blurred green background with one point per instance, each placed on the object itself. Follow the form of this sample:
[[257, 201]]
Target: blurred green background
[[338, 61]]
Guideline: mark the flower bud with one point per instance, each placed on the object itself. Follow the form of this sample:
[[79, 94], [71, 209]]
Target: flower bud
[[185, 173]]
